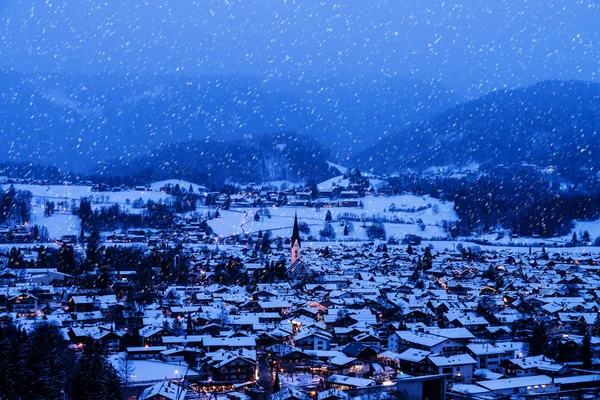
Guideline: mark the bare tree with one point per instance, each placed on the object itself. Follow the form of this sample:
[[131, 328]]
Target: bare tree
[[126, 370]]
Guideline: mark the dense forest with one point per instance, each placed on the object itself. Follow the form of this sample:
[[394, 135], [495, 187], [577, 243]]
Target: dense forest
[[15, 206], [527, 204], [551, 123], [37, 364]]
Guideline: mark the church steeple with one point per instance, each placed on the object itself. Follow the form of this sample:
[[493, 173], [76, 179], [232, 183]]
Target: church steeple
[[296, 231], [295, 241]]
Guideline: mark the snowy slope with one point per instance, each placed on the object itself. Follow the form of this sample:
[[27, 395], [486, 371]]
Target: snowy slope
[[62, 222], [183, 184], [240, 221]]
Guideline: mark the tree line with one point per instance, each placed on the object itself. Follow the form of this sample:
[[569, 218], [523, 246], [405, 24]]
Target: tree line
[[39, 365], [525, 203], [156, 215]]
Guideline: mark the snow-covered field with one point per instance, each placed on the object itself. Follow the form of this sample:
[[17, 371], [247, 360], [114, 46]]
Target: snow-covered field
[[279, 185], [183, 184], [62, 222], [59, 193], [58, 224], [450, 246], [344, 182], [592, 227], [145, 370], [238, 221]]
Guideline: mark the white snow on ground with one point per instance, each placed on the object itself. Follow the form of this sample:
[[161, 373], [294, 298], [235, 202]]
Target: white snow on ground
[[342, 170], [144, 370], [593, 228], [344, 182], [507, 240], [298, 379], [333, 182], [183, 184], [236, 221], [62, 222], [58, 224], [99, 199], [281, 184], [451, 245]]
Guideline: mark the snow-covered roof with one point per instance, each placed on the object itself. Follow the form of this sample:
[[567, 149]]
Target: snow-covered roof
[[167, 390]]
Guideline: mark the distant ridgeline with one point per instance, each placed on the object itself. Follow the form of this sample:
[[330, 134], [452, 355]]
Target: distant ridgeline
[[552, 123], [258, 158], [77, 120]]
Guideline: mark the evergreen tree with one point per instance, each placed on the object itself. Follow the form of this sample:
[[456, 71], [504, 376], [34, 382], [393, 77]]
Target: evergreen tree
[[276, 384], [92, 251], [44, 363], [85, 213], [409, 250], [12, 350], [489, 273], [266, 244], [15, 259], [42, 258], [281, 271], [538, 341], [346, 230], [596, 326], [176, 327], [586, 351], [314, 191], [103, 278], [94, 378], [189, 325], [328, 217], [427, 259], [499, 282], [586, 236], [66, 259]]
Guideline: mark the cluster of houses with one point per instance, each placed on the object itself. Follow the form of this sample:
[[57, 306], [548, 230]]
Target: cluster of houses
[[350, 320]]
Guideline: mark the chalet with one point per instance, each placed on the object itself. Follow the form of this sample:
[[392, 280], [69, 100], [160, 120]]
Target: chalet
[[413, 361], [401, 340], [349, 366], [534, 365], [459, 368], [343, 382], [493, 356], [164, 391], [535, 384], [145, 352], [24, 304], [233, 366], [332, 394], [289, 394], [152, 335], [228, 343], [312, 339]]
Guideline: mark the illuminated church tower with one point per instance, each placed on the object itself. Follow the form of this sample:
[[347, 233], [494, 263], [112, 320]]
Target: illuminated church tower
[[295, 242]]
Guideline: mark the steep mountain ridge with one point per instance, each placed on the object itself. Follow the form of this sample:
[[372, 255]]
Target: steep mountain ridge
[[254, 158], [76, 121], [550, 123]]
